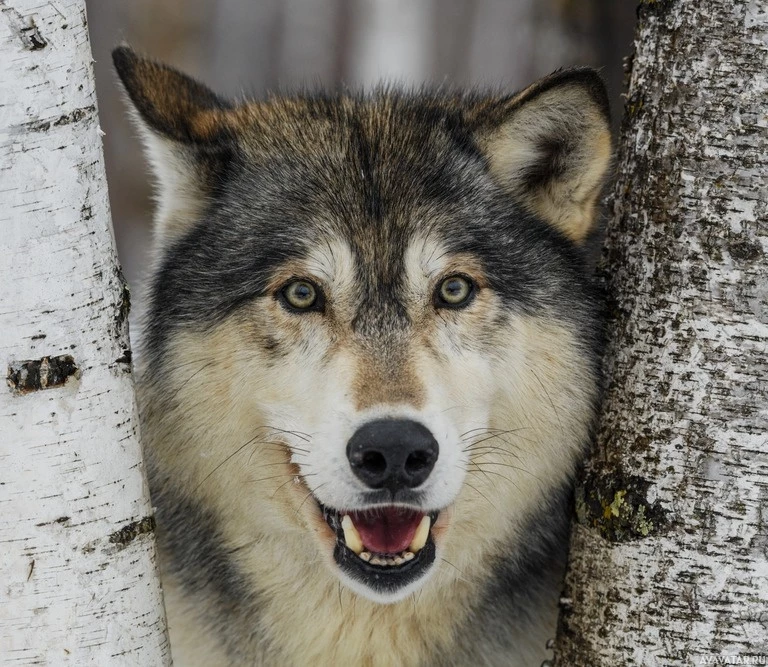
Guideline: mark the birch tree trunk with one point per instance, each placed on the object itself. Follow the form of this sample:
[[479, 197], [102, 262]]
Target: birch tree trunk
[[669, 560], [78, 580]]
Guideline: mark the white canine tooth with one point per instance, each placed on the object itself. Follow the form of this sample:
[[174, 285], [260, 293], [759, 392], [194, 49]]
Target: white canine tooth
[[420, 536], [407, 555], [351, 536], [365, 555], [399, 560], [377, 561]]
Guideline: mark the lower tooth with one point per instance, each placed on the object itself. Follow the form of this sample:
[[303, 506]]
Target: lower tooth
[[389, 561]]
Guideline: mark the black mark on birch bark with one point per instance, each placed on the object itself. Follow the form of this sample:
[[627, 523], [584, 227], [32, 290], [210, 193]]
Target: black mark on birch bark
[[124, 305], [66, 119], [121, 319], [131, 531], [24, 28], [24, 377], [61, 519], [617, 506], [125, 357]]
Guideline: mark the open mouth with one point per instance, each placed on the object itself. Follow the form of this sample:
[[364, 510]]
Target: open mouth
[[385, 547]]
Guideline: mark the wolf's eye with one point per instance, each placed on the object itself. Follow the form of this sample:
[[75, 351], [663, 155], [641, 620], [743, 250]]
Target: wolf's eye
[[454, 292], [301, 295]]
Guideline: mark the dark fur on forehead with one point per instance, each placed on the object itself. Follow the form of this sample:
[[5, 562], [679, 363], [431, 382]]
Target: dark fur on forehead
[[547, 146], [372, 170]]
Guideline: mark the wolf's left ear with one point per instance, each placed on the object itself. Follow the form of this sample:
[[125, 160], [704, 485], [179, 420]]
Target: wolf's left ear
[[172, 104], [550, 146], [188, 132]]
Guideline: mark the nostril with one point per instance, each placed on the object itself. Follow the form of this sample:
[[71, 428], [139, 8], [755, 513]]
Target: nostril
[[418, 462], [374, 462]]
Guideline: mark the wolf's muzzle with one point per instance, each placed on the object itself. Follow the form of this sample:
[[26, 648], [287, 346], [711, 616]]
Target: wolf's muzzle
[[393, 454]]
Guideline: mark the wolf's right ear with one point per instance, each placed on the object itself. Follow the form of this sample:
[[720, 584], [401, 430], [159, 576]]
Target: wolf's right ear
[[188, 132], [550, 147]]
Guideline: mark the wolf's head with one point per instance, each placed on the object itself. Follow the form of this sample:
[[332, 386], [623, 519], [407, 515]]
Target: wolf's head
[[371, 340]]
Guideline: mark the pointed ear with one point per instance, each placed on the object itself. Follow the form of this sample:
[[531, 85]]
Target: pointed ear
[[550, 147], [188, 132]]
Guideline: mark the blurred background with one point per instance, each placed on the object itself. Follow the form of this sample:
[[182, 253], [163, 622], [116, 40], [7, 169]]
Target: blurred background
[[253, 46]]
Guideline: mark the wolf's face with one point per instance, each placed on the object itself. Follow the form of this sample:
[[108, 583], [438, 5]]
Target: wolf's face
[[370, 340]]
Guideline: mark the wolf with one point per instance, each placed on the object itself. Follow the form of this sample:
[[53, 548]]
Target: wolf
[[370, 365]]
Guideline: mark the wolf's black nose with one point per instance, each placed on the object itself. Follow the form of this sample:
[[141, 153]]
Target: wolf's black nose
[[392, 453]]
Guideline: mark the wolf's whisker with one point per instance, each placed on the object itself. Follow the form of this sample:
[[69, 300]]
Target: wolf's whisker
[[463, 576], [311, 493], [190, 378], [498, 474], [476, 447], [478, 468], [274, 493], [485, 448], [288, 449], [275, 463], [190, 362], [276, 448], [489, 457], [237, 451], [488, 450], [546, 393], [288, 474], [460, 405], [513, 467], [501, 437], [493, 430], [476, 490], [299, 434]]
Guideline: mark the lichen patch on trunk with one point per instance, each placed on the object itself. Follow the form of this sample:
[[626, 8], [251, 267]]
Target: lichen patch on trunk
[[617, 506]]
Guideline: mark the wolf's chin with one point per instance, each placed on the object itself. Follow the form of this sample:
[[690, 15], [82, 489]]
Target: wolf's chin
[[384, 596]]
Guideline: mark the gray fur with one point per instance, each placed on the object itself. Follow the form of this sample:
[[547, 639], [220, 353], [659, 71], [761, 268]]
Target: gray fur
[[282, 179]]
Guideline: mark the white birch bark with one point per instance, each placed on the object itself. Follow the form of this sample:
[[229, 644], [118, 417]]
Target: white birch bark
[[78, 580], [669, 561]]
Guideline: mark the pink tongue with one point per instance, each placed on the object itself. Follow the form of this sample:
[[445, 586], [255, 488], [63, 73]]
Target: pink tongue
[[388, 530]]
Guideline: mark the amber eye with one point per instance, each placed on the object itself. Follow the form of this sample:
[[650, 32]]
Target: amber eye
[[300, 295], [454, 292]]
